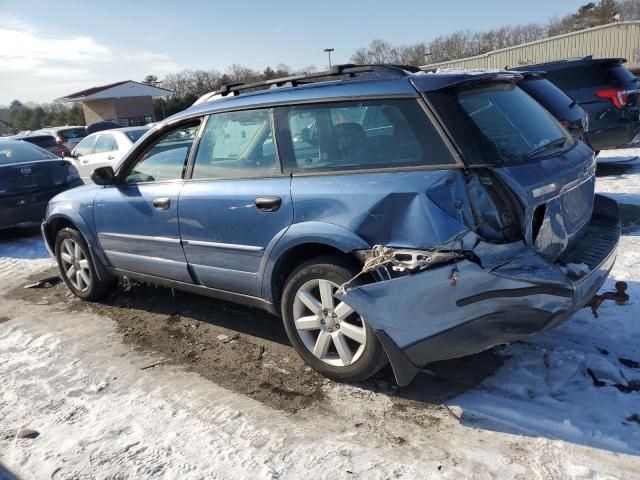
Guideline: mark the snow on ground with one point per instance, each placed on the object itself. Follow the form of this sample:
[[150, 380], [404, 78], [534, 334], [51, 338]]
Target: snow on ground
[[545, 387], [622, 181], [18, 245], [562, 405]]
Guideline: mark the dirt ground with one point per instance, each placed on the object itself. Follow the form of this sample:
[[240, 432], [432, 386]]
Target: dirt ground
[[243, 349]]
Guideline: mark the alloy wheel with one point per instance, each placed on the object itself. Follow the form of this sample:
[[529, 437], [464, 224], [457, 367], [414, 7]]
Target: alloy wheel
[[330, 329], [75, 264]]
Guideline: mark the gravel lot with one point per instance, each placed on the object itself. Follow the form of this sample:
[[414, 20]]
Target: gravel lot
[[158, 384]]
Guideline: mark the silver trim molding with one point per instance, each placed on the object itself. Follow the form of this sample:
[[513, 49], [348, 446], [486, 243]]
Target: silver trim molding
[[125, 236], [223, 246]]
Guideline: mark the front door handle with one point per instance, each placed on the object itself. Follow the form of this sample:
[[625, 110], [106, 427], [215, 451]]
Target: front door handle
[[161, 203], [111, 157], [268, 204]]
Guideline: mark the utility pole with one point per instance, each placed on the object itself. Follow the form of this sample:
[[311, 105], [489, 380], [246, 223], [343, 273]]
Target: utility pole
[[328, 52]]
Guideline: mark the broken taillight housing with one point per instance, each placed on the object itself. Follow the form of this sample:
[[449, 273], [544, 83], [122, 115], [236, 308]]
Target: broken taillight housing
[[618, 96]]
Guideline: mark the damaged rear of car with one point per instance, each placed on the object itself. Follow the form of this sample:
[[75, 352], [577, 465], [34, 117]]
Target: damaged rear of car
[[519, 241]]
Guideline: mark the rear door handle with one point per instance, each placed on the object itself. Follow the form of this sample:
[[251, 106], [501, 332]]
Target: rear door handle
[[268, 204], [111, 157], [161, 203]]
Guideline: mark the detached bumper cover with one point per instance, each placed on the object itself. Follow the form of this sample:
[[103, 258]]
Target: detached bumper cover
[[516, 293]]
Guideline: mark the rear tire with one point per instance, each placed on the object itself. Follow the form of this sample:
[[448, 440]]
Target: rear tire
[[326, 333], [77, 268]]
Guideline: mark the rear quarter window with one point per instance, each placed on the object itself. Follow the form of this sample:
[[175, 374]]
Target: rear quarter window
[[361, 134]]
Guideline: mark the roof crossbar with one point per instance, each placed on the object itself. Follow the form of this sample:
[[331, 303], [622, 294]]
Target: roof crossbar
[[347, 70]]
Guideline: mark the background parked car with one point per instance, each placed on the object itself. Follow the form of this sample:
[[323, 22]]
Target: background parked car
[[104, 148], [99, 126], [68, 136], [571, 115], [48, 142], [606, 90], [29, 177]]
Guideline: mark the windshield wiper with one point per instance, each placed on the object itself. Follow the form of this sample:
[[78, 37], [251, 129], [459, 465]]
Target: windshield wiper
[[558, 142]]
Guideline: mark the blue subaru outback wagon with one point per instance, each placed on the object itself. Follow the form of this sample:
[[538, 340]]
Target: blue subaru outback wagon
[[387, 215]]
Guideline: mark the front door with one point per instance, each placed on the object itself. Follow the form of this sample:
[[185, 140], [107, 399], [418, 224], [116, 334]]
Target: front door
[[137, 219], [237, 202]]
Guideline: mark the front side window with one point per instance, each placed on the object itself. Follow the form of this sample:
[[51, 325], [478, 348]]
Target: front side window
[[166, 158], [364, 134], [236, 145], [85, 147]]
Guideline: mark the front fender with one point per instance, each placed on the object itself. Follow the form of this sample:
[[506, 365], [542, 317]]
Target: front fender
[[297, 234], [82, 221]]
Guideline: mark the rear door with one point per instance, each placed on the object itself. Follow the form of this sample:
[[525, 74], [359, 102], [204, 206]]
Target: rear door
[[237, 203], [137, 219]]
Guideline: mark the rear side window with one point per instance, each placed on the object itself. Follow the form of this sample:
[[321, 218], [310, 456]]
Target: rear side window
[[105, 143], [500, 124], [236, 145], [362, 134]]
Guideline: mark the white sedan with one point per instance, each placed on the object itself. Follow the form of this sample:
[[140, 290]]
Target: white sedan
[[104, 148]]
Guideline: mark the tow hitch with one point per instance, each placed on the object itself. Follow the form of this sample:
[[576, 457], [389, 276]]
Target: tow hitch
[[620, 296]]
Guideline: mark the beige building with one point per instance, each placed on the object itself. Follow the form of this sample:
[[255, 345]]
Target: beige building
[[129, 103], [614, 40]]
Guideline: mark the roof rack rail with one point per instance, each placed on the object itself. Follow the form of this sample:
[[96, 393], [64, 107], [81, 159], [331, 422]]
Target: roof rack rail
[[346, 70]]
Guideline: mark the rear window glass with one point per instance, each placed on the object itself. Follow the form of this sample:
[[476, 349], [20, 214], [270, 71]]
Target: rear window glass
[[500, 124], [134, 135], [73, 133], [363, 134], [590, 75], [44, 142], [20, 152]]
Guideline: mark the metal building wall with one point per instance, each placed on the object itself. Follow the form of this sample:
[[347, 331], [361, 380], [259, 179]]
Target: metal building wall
[[613, 40]]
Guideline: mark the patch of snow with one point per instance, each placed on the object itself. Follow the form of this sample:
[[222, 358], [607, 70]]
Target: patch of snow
[[545, 388]]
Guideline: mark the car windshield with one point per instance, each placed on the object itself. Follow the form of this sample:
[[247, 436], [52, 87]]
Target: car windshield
[[500, 124], [21, 152], [134, 135]]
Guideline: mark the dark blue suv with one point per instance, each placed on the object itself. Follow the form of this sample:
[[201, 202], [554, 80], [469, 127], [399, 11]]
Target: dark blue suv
[[386, 215]]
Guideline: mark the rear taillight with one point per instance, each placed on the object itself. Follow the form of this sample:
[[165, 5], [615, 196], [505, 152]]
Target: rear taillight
[[618, 96]]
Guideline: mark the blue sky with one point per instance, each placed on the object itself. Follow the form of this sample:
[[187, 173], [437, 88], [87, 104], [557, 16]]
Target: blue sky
[[49, 49]]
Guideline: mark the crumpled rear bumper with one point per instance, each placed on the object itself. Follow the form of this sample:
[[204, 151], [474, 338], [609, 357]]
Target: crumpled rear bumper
[[515, 293]]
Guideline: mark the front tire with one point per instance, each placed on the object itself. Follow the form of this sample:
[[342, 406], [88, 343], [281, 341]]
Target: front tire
[[77, 268], [328, 335]]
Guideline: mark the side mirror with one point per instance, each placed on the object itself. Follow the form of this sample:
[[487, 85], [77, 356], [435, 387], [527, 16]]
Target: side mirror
[[103, 176]]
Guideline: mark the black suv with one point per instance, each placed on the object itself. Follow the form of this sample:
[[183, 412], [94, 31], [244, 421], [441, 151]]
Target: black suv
[[566, 110], [606, 90]]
